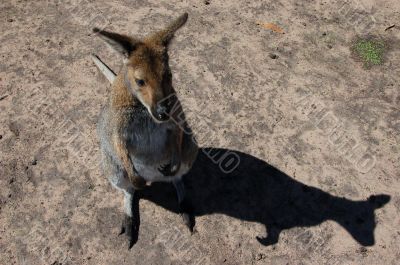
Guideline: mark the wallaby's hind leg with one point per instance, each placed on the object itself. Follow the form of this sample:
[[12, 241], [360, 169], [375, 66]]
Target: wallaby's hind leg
[[185, 208], [118, 178], [131, 219], [131, 222]]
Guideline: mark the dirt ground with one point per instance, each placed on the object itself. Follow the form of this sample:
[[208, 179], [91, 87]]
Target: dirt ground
[[314, 134]]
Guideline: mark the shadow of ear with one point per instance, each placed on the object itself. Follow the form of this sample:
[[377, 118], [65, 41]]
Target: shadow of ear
[[258, 192], [379, 200]]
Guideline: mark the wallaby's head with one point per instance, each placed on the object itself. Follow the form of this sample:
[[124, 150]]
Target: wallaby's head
[[147, 74]]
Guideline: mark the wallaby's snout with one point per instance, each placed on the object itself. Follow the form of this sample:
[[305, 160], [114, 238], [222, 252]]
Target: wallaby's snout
[[162, 110]]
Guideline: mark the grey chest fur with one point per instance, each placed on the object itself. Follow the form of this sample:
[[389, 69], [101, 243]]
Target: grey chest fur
[[148, 141]]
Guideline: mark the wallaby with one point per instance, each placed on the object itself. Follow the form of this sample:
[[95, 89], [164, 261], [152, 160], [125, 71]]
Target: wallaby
[[140, 139]]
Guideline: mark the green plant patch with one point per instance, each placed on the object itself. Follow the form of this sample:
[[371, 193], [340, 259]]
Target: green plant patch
[[369, 51]]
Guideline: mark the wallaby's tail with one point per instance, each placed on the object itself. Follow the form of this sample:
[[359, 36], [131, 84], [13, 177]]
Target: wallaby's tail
[[107, 72]]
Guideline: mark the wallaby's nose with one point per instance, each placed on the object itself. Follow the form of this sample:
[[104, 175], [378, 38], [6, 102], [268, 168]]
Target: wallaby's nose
[[162, 111]]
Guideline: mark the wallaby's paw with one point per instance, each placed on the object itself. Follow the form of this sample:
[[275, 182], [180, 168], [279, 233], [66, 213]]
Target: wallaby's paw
[[139, 183], [131, 230], [168, 170]]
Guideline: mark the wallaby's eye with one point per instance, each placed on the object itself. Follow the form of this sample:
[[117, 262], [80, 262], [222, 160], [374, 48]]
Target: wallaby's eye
[[140, 82]]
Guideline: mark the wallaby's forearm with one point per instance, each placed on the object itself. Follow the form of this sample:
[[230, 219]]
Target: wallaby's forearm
[[176, 159], [123, 153]]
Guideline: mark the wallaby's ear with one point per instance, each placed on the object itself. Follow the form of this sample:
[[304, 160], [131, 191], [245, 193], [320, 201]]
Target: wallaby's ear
[[123, 44], [164, 36], [379, 200]]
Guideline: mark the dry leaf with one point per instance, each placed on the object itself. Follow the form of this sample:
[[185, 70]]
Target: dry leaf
[[271, 26]]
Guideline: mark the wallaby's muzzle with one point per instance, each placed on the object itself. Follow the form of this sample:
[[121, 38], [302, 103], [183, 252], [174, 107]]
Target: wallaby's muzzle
[[162, 111]]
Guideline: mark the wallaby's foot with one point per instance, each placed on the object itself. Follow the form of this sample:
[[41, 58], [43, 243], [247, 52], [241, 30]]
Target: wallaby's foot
[[131, 229], [131, 221], [185, 205], [187, 214], [188, 220]]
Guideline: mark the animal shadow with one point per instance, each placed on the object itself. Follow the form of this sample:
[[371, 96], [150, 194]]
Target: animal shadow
[[258, 192]]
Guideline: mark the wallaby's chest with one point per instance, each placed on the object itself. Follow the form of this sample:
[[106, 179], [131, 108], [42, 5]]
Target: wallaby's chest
[[148, 141]]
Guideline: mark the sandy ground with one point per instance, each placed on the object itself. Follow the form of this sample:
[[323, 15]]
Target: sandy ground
[[297, 102]]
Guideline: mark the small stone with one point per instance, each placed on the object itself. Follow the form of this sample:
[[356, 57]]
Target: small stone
[[1, 137], [363, 251], [273, 56], [34, 162], [260, 256], [206, 2], [10, 20]]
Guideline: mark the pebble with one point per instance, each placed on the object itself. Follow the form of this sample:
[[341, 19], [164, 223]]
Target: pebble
[[260, 256], [273, 56]]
